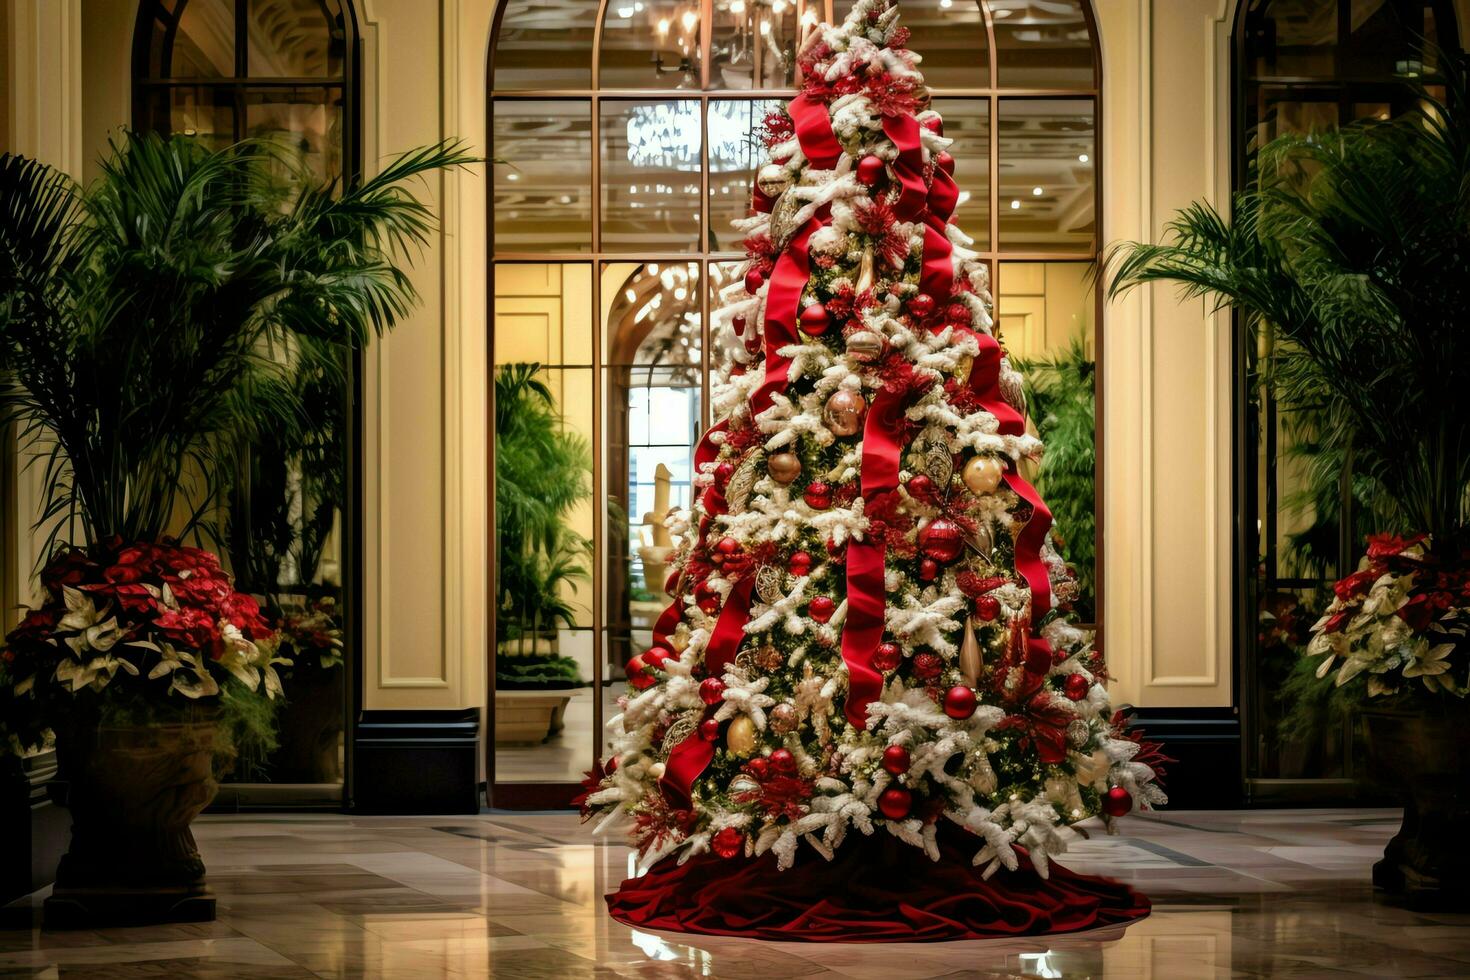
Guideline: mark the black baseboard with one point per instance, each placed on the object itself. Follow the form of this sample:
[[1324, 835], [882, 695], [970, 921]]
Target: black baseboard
[[1206, 743], [33, 829], [417, 762]]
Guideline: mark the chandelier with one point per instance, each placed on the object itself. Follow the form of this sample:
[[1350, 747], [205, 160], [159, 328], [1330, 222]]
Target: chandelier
[[665, 135]]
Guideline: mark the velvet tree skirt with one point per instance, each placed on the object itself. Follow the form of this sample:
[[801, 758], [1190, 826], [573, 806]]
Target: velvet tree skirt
[[875, 890]]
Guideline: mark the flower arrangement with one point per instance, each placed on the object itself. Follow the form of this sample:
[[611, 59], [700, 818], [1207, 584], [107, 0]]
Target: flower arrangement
[[1403, 615], [120, 622], [311, 637]]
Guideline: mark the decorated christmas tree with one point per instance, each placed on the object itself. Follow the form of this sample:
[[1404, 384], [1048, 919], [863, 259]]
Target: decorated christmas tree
[[867, 640]]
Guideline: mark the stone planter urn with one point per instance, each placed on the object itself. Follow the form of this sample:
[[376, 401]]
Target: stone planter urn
[[133, 792], [1425, 760]]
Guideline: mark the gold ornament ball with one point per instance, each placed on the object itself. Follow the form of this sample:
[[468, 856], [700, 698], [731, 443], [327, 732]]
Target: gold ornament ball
[[783, 467], [784, 718], [865, 346], [983, 473], [844, 412], [773, 179], [740, 736]]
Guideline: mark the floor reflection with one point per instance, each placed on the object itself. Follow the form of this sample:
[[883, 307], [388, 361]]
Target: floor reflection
[[1238, 894]]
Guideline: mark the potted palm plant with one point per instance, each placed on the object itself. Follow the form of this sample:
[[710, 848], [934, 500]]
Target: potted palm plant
[[541, 473], [1348, 256], [145, 325]]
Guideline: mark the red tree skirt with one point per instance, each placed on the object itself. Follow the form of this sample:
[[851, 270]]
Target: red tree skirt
[[875, 890]]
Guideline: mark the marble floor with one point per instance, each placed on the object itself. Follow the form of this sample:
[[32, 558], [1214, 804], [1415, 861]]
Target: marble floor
[[1236, 894]]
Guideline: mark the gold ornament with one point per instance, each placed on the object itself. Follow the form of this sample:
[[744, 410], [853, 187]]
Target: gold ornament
[[784, 718], [983, 540], [743, 783], [773, 180], [742, 483], [865, 346], [971, 659], [982, 474], [939, 465], [682, 728], [844, 412], [783, 467], [768, 582], [740, 736], [783, 219], [1078, 733], [865, 272]]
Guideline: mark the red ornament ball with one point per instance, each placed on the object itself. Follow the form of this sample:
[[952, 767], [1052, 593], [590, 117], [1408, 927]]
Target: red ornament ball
[[896, 760], [754, 280], [638, 674], [921, 487], [942, 539], [959, 702], [723, 472], [728, 842], [799, 564], [814, 320], [1117, 802], [759, 767], [895, 803], [870, 170], [958, 313], [1075, 687], [928, 665], [818, 495], [612, 766], [887, 657], [928, 569], [987, 607], [709, 730], [727, 546], [711, 690], [922, 306], [655, 657], [738, 322], [821, 608], [753, 343], [834, 550], [945, 162], [934, 124], [783, 762]]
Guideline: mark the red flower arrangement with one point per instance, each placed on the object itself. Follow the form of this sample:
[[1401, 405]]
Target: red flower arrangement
[[159, 617]]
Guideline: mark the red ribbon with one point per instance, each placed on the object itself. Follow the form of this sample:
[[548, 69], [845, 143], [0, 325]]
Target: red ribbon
[[783, 300]]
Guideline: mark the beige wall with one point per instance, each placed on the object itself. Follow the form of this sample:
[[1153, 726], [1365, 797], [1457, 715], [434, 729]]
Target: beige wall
[[1165, 417]]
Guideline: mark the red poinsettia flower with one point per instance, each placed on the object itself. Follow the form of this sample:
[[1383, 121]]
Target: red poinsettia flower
[[1390, 545], [1355, 585]]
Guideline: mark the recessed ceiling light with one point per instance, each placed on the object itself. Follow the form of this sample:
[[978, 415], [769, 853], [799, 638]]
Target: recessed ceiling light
[[1036, 192], [1015, 205], [512, 176], [1082, 158]]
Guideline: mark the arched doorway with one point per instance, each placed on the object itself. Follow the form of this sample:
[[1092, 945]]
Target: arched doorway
[[622, 149]]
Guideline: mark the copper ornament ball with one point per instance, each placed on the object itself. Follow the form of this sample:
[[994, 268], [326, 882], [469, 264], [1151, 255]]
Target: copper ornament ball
[[844, 412], [982, 474], [783, 467], [784, 719]]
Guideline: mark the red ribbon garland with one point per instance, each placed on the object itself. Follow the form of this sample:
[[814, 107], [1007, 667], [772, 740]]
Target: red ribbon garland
[[783, 300]]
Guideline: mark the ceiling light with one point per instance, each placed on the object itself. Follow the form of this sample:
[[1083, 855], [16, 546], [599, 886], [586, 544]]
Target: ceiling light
[[512, 176], [625, 12], [690, 19], [1036, 192], [1082, 158], [1015, 205], [632, 296]]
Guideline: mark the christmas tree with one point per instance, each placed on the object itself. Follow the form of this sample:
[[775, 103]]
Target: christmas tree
[[867, 634]]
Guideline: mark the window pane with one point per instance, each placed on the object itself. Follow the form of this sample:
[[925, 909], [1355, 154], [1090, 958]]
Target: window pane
[[202, 112], [967, 122], [735, 151], [1293, 37], [543, 637], [204, 45], [542, 176], [950, 36], [754, 44], [650, 44], [650, 176], [1046, 189], [1045, 313], [307, 122], [295, 39], [1042, 43], [545, 44]]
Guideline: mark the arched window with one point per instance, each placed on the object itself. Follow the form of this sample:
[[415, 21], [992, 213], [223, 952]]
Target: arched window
[[1305, 66], [622, 140], [222, 71]]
